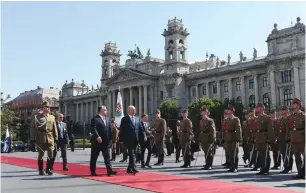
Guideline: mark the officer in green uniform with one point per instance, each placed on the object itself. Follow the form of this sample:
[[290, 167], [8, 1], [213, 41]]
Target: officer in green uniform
[[254, 153], [274, 147], [232, 137], [185, 138], [281, 130], [160, 127], [207, 137], [296, 123], [264, 137], [223, 129], [247, 144], [44, 134], [168, 141]]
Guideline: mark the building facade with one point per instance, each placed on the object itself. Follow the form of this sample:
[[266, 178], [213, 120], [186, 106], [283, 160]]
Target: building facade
[[274, 79]]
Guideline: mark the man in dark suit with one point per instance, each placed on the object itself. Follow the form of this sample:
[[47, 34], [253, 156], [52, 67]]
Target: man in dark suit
[[144, 141], [128, 135], [100, 141], [62, 141]]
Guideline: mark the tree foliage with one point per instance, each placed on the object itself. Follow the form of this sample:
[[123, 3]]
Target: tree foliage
[[238, 108], [169, 109], [135, 54], [8, 118]]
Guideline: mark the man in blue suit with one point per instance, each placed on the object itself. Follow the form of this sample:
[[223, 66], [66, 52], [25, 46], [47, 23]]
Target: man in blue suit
[[100, 141], [128, 135]]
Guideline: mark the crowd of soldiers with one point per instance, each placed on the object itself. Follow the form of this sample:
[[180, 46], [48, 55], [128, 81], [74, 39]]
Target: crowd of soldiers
[[259, 134]]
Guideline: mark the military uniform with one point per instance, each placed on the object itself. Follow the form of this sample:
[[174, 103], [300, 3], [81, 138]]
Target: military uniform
[[264, 136], [185, 140], [207, 137], [223, 128], [274, 147], [44, 134], [115, 133], [296, 126], [232, 137], [247, 143], [160, 127], [168, 142], [254, 153]]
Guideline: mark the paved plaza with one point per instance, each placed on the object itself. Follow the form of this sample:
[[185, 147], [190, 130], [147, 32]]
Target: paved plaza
[[25, 180]]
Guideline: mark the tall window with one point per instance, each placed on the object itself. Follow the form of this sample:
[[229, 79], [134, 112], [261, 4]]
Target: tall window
[[193, 92], [238, 84], [161, 95], [265, 82], [286, 76], [226, 87], [288, 97], [251, 84], [238, 99], [266, 101], [204, 90], [214, 89], [252, 101]]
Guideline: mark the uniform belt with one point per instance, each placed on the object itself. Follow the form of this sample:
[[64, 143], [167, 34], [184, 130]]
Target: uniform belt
[[261, 131], [204, 132], [42, 131], [184, 131], [157, 132], [298, 129], [230, 131]]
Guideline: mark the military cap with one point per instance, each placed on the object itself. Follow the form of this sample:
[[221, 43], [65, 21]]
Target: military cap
[[204, 108], [231, 108], [272, 112], [157, 111], [284, 108], [260, 105], [46, 104], [297, 101], [185, 111]]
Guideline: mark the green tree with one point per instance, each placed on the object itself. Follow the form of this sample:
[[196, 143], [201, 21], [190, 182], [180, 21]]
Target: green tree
[[238, 108], [8, 118], [169, 109]]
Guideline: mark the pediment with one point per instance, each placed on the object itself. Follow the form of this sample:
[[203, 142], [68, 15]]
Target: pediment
[[128, 75]]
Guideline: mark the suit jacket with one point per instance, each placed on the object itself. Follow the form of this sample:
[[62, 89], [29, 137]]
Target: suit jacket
[[128, 133], [143, 132], [63, 128], [100, 129]]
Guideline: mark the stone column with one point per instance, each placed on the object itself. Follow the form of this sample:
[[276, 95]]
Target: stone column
[[297, 93], [187, 94], [207, 89], [82, 113], [145, 99], [86, 112], [139, 100], [256, 89], [281, 96], [109, 102], [218, 90], [230, 89], [77, 112], [273, 90], [65, 110], [242, 90], [131, 96], [114, 103], [197, 92]]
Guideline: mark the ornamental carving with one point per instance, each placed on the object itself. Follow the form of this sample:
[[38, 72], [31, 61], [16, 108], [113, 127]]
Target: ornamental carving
[[175, 30]]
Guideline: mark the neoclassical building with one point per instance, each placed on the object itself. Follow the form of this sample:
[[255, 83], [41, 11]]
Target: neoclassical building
[[274, 79]]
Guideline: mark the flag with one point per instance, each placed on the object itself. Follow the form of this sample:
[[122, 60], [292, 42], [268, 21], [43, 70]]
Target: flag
[[119, 110], [6, 141]]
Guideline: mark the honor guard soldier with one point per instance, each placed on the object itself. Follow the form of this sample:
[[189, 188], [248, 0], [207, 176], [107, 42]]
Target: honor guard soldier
[[44, 135], [296, 122], [282, 132], [160, 127], [223, 129], [275, 150], [168, 142], [232, 137], [207, 137], [264, 137], [254, 159], [115, 132], [185, 138], [247, 143]]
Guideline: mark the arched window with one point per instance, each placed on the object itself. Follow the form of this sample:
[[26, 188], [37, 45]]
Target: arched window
[[266, 101], [287, 97], [252, 101], [181, 41], [170, 42], [238, 99]]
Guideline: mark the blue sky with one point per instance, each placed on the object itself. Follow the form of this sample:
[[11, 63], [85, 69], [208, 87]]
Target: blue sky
[[46, 43]]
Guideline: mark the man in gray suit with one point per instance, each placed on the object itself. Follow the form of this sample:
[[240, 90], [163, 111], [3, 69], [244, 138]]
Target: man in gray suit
[[62, 141]]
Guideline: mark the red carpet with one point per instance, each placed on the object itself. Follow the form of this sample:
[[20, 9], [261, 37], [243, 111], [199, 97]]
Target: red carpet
[[149, 181]]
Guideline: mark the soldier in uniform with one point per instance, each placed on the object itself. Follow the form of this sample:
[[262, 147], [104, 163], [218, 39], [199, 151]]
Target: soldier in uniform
[[232, 137], [160, 127], [115, 132], [185, 138], [168, 141], [296, 123], [247, 144], [254, 159], [177, 142], [223, 127], [44, 135], [281, 128], [264, 137], [207, 137], [274, 147]]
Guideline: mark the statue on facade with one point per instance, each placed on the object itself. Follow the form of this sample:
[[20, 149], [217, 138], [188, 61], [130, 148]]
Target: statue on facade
[[149, 53], [97, 87], [241, 56], [217, 63], [228, 59], [92, 88], [254, 53]]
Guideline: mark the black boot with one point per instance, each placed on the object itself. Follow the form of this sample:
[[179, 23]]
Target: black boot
[[48, 167], [113, 157], [41, 167], [65, 168], [276, 162], [187, 162], [234, 165], [209, 162], [160, 160], [110, 172], [124, 157]]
